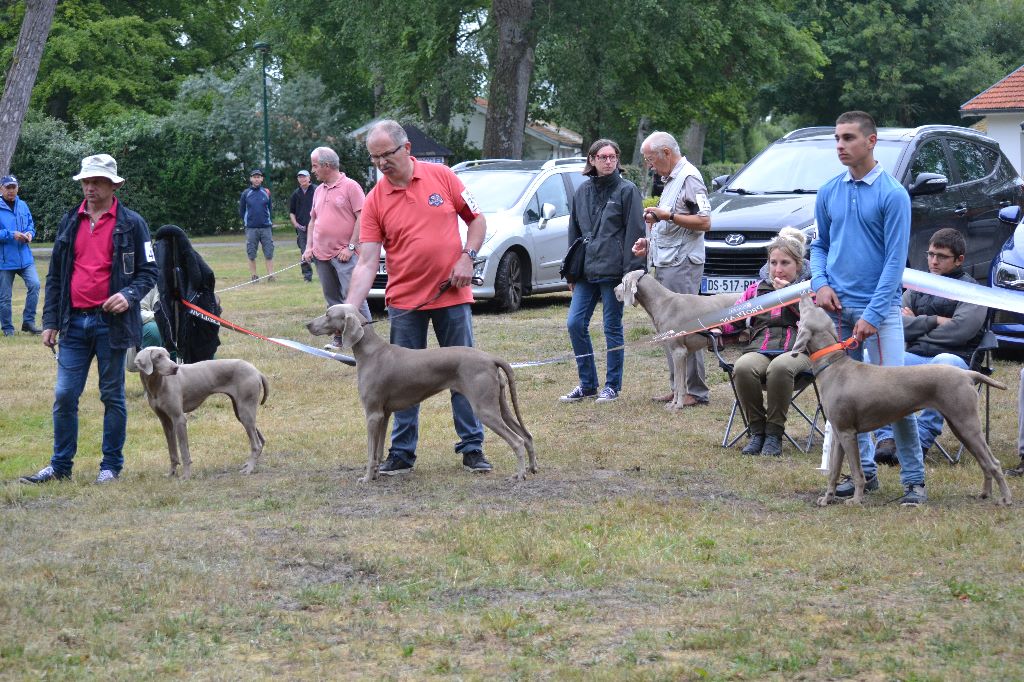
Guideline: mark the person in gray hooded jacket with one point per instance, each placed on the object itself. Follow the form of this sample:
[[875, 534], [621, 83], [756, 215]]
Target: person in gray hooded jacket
[[608, 210]]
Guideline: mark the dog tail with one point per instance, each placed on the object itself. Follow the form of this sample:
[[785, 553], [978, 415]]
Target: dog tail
[[979, 378], [266, 388], [510, 380]]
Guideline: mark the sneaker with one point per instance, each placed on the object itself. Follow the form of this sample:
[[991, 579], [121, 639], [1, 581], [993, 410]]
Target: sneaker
[[476, 462], [577, 394], [607, 395], [31, 328], [913, 495], [754, 445], [271, 278], [106, 476], [772, 446], [885, 452], [45, 475], [845, 487], [394, 465], [254, 278]]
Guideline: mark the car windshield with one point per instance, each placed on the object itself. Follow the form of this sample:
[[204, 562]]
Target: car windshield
[[801, 166], [496, 190]]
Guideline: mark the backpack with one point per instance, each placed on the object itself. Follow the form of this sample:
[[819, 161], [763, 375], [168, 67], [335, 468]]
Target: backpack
[[183, 274]]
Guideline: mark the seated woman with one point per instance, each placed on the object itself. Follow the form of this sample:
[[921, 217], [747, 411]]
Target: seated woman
[[765, 358]]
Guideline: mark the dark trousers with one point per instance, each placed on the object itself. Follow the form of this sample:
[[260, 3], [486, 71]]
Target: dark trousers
[[307, 269]]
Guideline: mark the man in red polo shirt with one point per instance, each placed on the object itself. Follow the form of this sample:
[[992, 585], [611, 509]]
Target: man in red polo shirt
[[102, 266], [334, 229], [414, 213]]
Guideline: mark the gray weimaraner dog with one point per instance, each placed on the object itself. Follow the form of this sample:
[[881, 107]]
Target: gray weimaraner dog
[[174, 390], [859, 397], [392, 378], [668, 310]]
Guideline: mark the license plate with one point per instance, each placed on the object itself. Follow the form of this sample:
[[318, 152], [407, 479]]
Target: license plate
[[725, 285], [382, 269]]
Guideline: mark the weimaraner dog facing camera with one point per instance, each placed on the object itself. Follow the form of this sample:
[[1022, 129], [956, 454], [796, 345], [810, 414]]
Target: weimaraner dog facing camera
[[859, 397], [392, 378], [668, 310], [174, 390]]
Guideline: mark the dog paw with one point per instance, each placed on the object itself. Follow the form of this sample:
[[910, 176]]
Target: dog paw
[[248, 469], [855, 500], [824, 500]]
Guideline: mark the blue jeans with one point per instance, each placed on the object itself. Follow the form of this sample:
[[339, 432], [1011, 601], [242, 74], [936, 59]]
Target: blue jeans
[[453, 326], [886, 349], [585, 296], [86, 337], [929, 422], [31, 278]]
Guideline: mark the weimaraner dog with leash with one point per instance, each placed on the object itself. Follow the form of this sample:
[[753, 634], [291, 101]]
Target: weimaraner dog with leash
[[859, 397], [668, 310], [392, 378], [174, 390]]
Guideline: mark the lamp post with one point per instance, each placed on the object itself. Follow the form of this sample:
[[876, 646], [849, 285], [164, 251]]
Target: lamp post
[[265, 49]]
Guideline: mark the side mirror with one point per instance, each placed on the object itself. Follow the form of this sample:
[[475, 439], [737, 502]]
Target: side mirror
[[547, 212], [928, 183], [1010, 214], [719, 182]]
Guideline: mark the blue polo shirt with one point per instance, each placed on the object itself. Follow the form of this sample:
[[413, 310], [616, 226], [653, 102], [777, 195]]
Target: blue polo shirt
[[863, 237]]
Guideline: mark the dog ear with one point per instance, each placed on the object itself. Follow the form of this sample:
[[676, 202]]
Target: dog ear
[[630, 291], [144, 361], [353, 330]]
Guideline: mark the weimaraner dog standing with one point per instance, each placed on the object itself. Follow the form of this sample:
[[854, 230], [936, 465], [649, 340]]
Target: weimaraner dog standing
[[392, 378], [174, 390], [859, 397], [668, 310]]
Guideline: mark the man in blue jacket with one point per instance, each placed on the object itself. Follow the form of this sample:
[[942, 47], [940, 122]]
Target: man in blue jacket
[[16, 233], [102, 266], [254, 208]]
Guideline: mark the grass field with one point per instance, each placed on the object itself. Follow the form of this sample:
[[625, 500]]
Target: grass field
[[641, 551]]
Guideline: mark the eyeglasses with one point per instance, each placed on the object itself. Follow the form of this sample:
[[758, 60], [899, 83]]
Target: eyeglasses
[[650, 158], [606, 157], [374, 158], [940, 256]]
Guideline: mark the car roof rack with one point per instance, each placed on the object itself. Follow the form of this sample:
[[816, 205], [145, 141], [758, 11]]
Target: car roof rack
[[551, 163], [478, 162]]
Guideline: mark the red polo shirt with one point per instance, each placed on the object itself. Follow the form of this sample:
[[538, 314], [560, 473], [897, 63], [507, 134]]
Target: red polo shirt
[[419, 228], [94, 256]]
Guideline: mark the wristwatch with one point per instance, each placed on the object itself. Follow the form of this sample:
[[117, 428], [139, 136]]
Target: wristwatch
[[351, 247], [471, 253], [672, 217]]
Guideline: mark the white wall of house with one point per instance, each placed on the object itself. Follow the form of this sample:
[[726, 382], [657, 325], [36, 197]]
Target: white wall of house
[[1005, 129]]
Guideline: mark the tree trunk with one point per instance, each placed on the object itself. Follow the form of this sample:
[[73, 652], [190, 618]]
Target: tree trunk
[[510, 78], [693, 142], [22, 76], [643, 129]]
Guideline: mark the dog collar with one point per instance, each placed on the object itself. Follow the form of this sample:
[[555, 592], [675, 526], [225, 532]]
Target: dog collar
[[842, 345]]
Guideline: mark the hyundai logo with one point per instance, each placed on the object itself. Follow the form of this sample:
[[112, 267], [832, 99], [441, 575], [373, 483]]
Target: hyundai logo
[[734, 239]]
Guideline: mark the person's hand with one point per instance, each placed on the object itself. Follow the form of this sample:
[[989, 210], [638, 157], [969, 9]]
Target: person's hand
[[863, 330], [826, 298], [462, 271], [49, 338], [942, 320], [345, 255], [780, 283], [307, 256], [653, 214], [116, 304], [20, 237], [640, 248], [907, 312], [572, 286]]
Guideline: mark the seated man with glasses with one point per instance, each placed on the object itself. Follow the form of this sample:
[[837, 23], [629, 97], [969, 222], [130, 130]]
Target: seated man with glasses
[[938, 331]]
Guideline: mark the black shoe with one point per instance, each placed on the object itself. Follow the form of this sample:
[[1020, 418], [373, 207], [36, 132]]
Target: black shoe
[[772, 446], [845, 487], [394, 465], [31, 328], [1019, 471], [885, 452], [44, 475], [476, 462], [754, 445]]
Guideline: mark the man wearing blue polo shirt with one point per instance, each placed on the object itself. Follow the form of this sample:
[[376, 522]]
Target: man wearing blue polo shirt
[[857, 261]]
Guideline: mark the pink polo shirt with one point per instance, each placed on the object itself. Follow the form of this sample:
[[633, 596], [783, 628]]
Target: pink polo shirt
[[94, 256], [335, 208]]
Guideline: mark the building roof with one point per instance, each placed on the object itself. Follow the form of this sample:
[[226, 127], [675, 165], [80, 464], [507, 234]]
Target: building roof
[[422, 144], [549, 132], [1006, 96]]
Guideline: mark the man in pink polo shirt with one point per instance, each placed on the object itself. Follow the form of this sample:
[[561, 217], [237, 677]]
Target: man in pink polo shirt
[[414, 213], [334, 230]]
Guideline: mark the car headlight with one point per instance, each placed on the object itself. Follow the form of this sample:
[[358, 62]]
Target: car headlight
[[478, 268], [810, 232], [1009, 276]]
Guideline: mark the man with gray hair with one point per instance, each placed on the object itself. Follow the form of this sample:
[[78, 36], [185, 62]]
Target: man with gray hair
[[675, 242], [333, 233]]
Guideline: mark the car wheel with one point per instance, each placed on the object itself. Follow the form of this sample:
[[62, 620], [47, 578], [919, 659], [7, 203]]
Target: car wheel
[[508, 283]]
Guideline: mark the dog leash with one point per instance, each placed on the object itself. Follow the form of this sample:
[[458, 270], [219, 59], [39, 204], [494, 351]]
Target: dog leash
[[258, 279]]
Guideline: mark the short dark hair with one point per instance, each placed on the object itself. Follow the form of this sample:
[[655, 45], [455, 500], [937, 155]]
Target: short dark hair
[[863, 120], [949, 238]]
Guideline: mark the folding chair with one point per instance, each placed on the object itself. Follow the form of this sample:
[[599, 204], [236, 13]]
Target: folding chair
[[981, 361], [804, 380]]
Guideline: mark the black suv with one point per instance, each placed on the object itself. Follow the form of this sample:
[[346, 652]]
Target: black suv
[[956, 177]]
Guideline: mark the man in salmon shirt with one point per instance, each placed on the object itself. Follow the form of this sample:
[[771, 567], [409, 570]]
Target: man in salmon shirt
[[102, 266], [414, 211]]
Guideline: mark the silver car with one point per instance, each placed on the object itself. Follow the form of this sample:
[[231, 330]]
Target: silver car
[[526, 204]]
